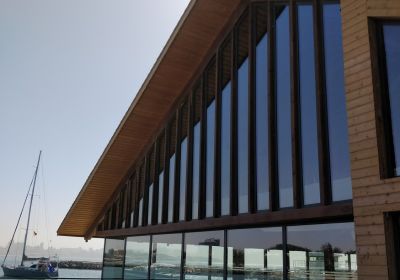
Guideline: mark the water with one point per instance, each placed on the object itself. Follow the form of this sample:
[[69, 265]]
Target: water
[[70, 274]]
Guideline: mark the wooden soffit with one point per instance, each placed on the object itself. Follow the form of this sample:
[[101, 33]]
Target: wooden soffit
[[180, 60]]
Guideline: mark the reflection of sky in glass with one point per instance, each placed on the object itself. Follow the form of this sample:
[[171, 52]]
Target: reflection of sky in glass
[[210, 159], [150, 207], [284, 135], [242, 136], [171, 188], [196, 171], [391, 33], [137, 250], [337, 115], [225, 149], [160, 195], [262, 168], [182, 188], [308, 106]]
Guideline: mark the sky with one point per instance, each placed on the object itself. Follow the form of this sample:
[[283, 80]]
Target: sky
[[69, 70]]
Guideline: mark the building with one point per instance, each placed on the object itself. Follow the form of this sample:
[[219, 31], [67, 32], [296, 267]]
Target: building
[[264, 143]]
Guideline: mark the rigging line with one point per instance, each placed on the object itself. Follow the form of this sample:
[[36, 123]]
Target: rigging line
[[19, 218], [45, 207]]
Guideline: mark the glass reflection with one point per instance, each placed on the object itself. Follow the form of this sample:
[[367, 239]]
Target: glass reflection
[[226, 149], [171, 188], [137, 257], [182, 188], [242, 139], [140, 216], [160, 195], [196, 171], [391, 34], [150, 205], [324, 251], [113, 258], [283, 99], [204, 253], [308, 106], [258, 257], [262, 124], [166, 256], [337, 116], [210, 159]]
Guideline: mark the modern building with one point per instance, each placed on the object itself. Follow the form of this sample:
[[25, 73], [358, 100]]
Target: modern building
[[264, 144]]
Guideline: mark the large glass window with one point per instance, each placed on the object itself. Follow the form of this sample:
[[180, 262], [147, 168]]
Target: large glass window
[[166, 253], [283, 99], [182, 188], [325, 251], [337, 116], [113, 259], [204, 255], [150, 205], [171, 188], [196, 171], [137, 257], [261, 96], [308, 106], [226, 149], [160, 196], [243, 117], [255, 253]]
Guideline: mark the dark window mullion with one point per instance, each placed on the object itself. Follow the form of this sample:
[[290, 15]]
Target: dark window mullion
[[273, 160], [296, 152], [322, 123], [136, 195], [145, 185], [252, 198], [128, 203], [166, 175]]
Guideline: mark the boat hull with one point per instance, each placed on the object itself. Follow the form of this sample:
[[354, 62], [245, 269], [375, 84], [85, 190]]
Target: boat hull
[[25, 272]]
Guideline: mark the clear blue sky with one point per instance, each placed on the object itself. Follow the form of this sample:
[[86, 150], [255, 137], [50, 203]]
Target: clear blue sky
[[69, 70]]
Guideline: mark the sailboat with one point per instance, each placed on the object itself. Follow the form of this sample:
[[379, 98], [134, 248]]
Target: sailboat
[[44, 268]]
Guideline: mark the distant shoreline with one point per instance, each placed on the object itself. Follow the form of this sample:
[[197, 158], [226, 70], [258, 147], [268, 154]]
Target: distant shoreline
[[80, 265]]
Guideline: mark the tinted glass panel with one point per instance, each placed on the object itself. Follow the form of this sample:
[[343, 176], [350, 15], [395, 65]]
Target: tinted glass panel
[[391, 33], [308, 107], [171, 188], [150, 206], [113, 258], [140, 217], [166, 256], [210, 159], [160, 195], [226, 149], [196, 171], [337, 116], [204, 253], [182, 188], [322, 251], [137, 257], [262, 124], [283, 100], [243, 133], [258, 257]]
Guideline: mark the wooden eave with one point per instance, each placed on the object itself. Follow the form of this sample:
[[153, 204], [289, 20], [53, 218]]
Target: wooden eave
[[178, 64]]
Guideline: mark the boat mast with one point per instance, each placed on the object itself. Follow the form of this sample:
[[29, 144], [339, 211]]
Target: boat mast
[[30, 208]]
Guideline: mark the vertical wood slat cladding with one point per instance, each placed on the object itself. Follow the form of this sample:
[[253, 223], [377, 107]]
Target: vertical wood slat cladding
[[371, 195]]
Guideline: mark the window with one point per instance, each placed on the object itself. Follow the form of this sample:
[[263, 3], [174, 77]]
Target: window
[[196, 153], [258, 257], [243, 115], [113, 258], [172, 162], [161, 162], [226, 121], [166, 253], [184, 119], [261, 107], [204, 255], [326, 250], [392, 232], [137, 257], [283, 100], [387, 94]]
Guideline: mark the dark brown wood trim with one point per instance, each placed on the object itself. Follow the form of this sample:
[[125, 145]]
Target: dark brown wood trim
[[329, 213], [295, 104]]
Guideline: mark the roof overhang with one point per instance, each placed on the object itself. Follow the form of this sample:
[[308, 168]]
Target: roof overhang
[[181, 59]]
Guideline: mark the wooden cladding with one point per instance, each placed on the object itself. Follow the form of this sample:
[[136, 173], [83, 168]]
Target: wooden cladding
[[254, 134]]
